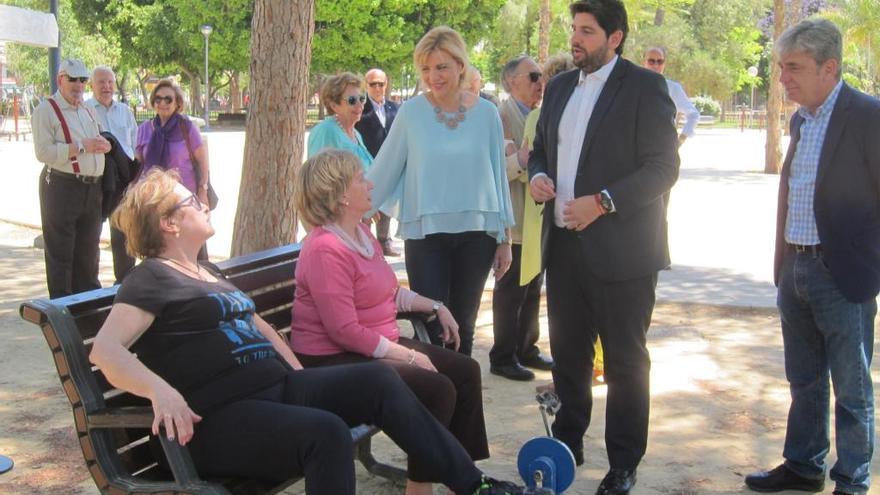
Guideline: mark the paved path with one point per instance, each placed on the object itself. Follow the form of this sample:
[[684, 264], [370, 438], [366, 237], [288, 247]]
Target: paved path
[[721, 215]]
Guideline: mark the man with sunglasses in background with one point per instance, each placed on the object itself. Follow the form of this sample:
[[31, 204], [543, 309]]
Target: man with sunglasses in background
[[117, 119], [655, 60], [67, 141], [374, 125], [514, 306]]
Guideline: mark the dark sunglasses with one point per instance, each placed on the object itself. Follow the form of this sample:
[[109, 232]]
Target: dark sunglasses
[[193, 201], [535, 76], [377, 84], [352, 100], [656, 61], [77, 79], [166, 99]]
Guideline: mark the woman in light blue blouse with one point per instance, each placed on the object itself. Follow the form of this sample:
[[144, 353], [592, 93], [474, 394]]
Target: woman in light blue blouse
[[342, 97], [441, 173]]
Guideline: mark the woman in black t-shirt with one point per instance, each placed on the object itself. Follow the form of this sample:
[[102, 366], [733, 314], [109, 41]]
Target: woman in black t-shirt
[[223, 382]]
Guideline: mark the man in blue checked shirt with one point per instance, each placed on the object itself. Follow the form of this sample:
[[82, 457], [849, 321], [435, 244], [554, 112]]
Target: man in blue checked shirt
[[827, 265]]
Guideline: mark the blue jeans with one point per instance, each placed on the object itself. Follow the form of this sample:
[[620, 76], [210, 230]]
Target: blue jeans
[[824, 333]]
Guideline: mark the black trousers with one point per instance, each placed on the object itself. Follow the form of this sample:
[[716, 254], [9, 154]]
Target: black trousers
[[122, 261], [301, 427], [452, 268], [580, 306], [515, 310], [453, 394], [70, 212]]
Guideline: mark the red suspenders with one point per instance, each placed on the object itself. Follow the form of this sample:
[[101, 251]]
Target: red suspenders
[[73, 161]]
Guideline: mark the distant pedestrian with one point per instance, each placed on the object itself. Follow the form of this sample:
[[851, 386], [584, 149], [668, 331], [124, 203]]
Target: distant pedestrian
[[374, 125], [656, 60], [116, 118], [67, 140], [827, 266], [473, 82]]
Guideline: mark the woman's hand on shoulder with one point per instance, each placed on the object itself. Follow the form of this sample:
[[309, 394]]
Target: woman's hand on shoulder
[[171, 411]]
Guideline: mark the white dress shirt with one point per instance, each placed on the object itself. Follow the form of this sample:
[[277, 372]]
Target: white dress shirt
[[117, 120], [683, 105], [49, 144], [573, 130], [379, 108]]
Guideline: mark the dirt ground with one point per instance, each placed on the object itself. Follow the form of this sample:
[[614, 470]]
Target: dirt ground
[[719, 399]]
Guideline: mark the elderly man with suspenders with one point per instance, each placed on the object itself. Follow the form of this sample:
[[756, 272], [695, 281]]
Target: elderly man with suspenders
[[67, 141]]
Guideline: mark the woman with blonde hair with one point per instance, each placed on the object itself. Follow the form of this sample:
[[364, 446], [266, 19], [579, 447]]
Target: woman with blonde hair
[[441, 173], [221, 381]]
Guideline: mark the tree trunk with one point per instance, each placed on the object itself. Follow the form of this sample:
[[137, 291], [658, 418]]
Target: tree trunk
[[544, 32], [659, 16], [772, 153], [235, 91], [281, 43], [142, 83]]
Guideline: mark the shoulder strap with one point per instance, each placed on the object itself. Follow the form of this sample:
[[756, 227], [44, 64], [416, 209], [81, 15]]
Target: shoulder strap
[[192, 158], [73, 161]]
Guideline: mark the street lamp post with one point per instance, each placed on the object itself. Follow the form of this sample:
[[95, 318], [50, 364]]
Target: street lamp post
[[206, 30]]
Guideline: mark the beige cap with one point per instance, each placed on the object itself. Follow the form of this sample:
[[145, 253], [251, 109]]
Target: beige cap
[[73, 68]]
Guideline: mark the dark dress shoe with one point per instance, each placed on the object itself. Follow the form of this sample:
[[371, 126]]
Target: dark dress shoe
[[538, 362], [781, 478], [513, 371], [617, 482]]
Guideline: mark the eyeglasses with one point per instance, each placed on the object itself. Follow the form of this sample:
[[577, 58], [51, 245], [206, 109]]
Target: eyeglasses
[[377, 84], [656, 61], [163, 99], [192, 201], [77, 79], [353, 100], [535, 76]]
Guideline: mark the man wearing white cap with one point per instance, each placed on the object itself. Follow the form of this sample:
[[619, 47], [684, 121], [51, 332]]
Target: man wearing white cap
[[67, 141]]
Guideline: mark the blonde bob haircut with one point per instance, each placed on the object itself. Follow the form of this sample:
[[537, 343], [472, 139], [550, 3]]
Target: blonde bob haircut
[[333, 87], [321, 184], [179, 101], [143, 205], [442, 38]]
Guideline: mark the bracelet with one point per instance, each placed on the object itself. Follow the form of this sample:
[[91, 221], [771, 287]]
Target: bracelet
[[412, 356]]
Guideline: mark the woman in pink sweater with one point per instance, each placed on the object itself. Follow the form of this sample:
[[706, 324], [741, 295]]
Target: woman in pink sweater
[[347, 299]]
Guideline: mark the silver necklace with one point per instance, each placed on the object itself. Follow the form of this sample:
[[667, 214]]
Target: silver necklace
[[197, 272], [456, 118]]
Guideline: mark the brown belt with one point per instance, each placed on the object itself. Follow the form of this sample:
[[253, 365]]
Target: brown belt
[[815, 249]]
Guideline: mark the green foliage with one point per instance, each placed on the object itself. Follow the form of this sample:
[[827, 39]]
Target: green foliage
[[356, 35], [707, 106], [859, 20]]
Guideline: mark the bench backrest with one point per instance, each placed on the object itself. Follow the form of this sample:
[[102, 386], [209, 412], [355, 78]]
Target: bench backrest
[[71, 323]]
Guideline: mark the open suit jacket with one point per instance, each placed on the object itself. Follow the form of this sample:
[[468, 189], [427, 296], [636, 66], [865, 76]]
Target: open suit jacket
[[846, 201], [371, 128], [630, 150]]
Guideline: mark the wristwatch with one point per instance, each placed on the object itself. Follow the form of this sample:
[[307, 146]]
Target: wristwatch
[[435, 308], [605, 202]]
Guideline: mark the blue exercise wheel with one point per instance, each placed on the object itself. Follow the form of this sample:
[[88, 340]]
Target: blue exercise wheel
[[5, 464], [546, 462]]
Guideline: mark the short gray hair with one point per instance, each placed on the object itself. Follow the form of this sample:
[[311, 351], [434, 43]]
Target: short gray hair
[[510, 68], [818, 38], [102, 68]]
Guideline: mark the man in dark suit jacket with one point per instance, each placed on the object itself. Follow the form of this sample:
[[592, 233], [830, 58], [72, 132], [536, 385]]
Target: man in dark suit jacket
[[374, 125], [827, 265], [604, 155]]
